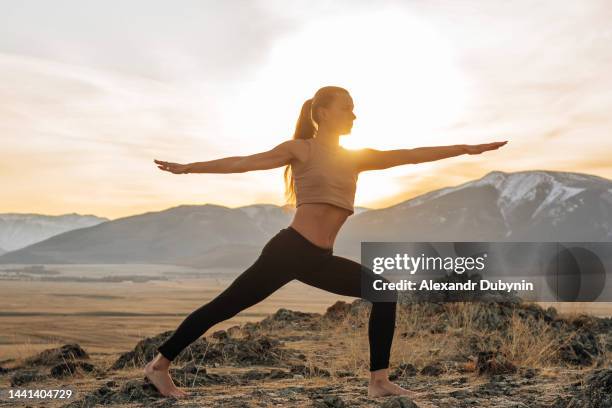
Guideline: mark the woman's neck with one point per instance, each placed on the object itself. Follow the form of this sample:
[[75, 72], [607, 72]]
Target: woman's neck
[[327, 139]]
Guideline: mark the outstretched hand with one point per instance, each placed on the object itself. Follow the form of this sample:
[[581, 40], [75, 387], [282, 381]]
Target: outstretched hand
[[175, 168], [480, 148]]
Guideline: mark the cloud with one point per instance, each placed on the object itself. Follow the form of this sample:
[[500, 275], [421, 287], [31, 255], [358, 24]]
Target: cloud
[[58, 107], [92, 92], [157, 39]]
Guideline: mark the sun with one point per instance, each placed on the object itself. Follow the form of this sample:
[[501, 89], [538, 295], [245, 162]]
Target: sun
[[400, 70]]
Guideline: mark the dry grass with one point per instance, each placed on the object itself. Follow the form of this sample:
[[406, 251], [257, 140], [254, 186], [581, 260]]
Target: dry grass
[[530, 342], [526, 342]]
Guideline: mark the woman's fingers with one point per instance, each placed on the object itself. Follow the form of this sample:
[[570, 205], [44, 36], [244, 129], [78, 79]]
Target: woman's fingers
[[481, 148], [164, 163], [494, 145], [175, 168], [161, 164], [167, 166]]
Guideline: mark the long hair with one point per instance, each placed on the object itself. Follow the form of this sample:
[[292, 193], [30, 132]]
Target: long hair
[[306, 127]]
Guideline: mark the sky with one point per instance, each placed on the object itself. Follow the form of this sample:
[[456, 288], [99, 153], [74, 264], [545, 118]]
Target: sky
[[92, 92]]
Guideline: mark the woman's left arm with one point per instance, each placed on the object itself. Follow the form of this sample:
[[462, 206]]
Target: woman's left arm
[[371, 159]]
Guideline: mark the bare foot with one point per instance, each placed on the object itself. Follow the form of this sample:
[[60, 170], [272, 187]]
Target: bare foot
[[160, 378], [383, 388]]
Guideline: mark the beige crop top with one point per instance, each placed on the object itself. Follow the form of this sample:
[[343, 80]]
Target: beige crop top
[[327, 176]]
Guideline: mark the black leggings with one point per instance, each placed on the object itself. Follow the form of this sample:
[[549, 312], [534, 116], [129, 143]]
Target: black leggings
[[287, 256]]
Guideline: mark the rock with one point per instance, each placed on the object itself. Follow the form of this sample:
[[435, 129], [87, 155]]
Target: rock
[[333, 401], [584, 322], [192, 375], [23, 377], [552, 312], [493, 317], [404, 370], [596, 391], [313, 371], [399, 402], [279, 374], [234, 331], [433, 370], [459, 381], [67, 352], [273, 374], [536, 312], [338, 311], [259, 350], [70, 368], [262, 350], [250, 328], [290, 392], [560, 402], [360, 307], [290, 319], [438, 328], [144, 351], [220, 335], [192, 368], [476, 343], [255, 375], [460, 394], [582, 349], [344, 373], [138, 391], [529, 372], [493, 363]]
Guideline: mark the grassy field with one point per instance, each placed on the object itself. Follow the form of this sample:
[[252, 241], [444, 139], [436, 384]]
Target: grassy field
[[439, 342], [110, 317]]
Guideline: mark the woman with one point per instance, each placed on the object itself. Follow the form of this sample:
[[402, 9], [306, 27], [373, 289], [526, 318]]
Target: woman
[[322, 177]]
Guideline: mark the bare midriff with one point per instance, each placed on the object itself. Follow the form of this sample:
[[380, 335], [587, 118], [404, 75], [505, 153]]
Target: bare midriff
[[319, 222]]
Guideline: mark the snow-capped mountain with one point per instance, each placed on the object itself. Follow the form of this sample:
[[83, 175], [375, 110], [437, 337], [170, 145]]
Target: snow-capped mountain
[[549, 189], [522, 206], [20, 230]]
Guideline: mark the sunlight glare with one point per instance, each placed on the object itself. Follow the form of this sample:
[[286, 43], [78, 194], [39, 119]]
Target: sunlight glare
[[400, 71]]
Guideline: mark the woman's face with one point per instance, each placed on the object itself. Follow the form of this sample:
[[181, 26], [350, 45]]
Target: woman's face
[[339, 115]]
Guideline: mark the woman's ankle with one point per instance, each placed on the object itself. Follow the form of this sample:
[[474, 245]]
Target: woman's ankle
[[160, 362], [379, 376]]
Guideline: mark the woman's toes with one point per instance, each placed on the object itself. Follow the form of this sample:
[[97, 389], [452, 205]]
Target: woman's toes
[[181, 393]]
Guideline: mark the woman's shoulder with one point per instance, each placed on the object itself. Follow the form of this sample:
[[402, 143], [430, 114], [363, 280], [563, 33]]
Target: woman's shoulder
[[301, 149]]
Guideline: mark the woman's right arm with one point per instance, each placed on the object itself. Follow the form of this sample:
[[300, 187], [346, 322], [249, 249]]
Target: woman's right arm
[[279, 156], [372, 159]]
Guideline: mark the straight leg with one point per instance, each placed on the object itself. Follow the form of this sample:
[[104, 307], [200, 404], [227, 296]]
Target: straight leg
[[346, 277], [255, 284]]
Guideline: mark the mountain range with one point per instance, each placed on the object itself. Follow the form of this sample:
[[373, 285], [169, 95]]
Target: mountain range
[[21, 230], [521, 206]]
